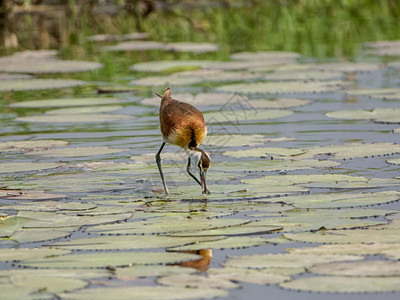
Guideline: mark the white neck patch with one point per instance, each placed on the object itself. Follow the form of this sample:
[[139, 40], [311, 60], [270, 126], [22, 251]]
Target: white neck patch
[[195, 157]]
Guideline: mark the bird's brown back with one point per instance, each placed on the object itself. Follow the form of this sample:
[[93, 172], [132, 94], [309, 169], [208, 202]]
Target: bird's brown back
[[181, 123]]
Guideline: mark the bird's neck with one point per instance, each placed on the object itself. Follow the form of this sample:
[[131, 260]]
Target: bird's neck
[[195, 155]]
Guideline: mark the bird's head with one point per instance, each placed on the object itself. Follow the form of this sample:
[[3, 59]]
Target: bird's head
[[201, 160]]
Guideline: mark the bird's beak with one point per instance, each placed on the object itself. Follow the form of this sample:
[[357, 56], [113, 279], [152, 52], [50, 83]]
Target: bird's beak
[[158, 95], [203, 174]]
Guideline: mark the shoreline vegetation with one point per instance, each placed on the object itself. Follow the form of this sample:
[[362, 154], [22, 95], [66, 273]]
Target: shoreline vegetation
[[319, 29]]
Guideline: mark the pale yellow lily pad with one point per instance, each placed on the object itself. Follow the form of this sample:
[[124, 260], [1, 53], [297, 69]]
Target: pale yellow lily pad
[[75, 118], [78, 151], [25, 167], [38, 84], [65, 102], [342, 284], [30, 145]]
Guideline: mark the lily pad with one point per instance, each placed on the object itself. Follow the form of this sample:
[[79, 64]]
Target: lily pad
[[30, 195], [166, 65], [229, 243], [278, 103], [266, 276], [151, 270], [264, 152], [78, 151], [342, 284], [50, 284], [304, 75], [66, 102], [129, 242], [54, 206], [355, 236], [261, 261], [84, 110], [233, 140], [36, 235], [135, 46], [192, 47], [49, 66], [342, 199], [235, 116], [378, 268], [30, 145], [145, 293], [12, 254], [104, 259], [285, 87], [348, 67], [25, 167], [197, 281], [7, 76], [378, 115], [75, 118], [356, 249], [38, 84], [260, 55]]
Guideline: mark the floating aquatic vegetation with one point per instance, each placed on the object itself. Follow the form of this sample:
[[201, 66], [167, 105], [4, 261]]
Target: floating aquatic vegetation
[[105, 259], [145, 293], [38, 84], [197, 281], [234, 116], [12, 254], [342, 284], [84, 110], [260, 55], [25, 167], [168, 65], [77, 151], [66, 102], [74, 118], [30, 145], [284, 87], [50, 66], [304, 75], [11, 194], [378, 115]]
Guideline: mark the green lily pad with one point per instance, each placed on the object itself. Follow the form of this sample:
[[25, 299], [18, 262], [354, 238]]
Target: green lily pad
[[394, 161], [286, 87], [197, 281], [165, 225], [49, 66], [263, 152], [261, 261], [235, 116], [129, 242], [31, 195], [376, 268], [336, 181], [84, 110], [74, 118], [25, 167], [66, 102], [260, 55], [355, 236], [381, 92], [36, 235], [145, 293], [54, 206], [342, 199], [10, 224], [304, 75], [104, 259], [38, 84], [342, 284], [13, 292], [151, 270], [50, 284], [266, 276], [78, 151], [379, 115], [233, 140], [348, 67], [166, 65], [356, 249], [61, 220], [30, 145], [12, 254], [238, 242], [278, 103], [77, 273], [135, 46], [192, 47]]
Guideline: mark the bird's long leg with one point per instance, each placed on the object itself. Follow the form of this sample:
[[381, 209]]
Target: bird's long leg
[[190, 173], [158, 160]]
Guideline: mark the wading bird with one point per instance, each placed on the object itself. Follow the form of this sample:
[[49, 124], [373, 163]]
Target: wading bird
[[183, 125]]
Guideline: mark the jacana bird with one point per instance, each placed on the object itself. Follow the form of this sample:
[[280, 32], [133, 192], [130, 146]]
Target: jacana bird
[[183, 125]]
